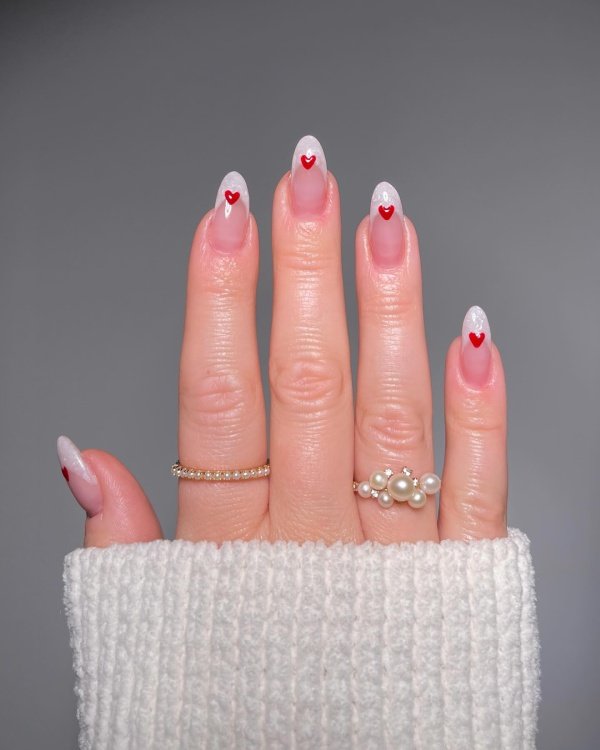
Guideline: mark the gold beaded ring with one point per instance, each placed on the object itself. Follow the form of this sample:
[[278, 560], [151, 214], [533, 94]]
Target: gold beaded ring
[[220, 475], [387, 487]]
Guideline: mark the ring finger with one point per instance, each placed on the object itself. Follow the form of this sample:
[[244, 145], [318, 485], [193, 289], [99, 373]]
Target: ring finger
[[393, 402]]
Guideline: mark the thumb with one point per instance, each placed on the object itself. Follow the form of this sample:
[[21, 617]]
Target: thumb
[[116, 506]]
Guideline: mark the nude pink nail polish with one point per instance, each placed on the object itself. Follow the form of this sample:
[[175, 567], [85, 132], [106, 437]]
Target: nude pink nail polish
[[79, 476], [309, 178], [386, 228], [229, 222], [476, 347]]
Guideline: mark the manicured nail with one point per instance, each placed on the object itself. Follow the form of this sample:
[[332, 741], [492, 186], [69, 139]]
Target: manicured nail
[[386, 228], [81, 479], [309, 177], [476, 347], [229, 223]]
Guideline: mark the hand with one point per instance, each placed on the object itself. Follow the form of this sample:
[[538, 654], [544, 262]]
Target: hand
[[319, 441]]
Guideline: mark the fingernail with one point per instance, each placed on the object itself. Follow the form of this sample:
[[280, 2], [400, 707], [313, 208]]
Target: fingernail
[[79, 476], [386, 228], [476, 347], [309, 177], [229, 222]]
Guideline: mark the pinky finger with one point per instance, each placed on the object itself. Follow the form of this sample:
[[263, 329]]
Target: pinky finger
[[475, 479], [117, 509]]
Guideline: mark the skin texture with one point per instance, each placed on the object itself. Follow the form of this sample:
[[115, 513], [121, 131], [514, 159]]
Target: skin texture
[[316, 432]]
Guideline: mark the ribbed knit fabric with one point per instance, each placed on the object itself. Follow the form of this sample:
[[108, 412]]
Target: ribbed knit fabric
[[285, 645]]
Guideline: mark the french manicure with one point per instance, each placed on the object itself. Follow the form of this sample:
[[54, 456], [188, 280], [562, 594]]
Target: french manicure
[[309, 177], [79, 476], [229, 222], [386, 228], [476, 347]]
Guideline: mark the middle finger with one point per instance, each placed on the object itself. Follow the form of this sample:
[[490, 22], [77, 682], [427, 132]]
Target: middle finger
[[312, 421]]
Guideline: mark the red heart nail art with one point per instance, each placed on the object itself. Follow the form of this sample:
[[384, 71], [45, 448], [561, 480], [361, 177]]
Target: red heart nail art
[[386, 211], [308, 161], [230, 197], [477, 339], [65, 472]]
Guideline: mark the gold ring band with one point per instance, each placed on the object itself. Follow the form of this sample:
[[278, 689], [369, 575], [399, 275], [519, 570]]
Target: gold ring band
[[220, 475]]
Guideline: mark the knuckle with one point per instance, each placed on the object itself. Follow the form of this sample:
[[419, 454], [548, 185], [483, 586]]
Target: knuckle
[[305, 254], [301, 383], [395, 426], [219, 398], [220, 275], [391, 306], [473, 418], [223, 283]]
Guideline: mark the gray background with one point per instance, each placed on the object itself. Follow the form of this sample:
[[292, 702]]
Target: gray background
[[118, 121]]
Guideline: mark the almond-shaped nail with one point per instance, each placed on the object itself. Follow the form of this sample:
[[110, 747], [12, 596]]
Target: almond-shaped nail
[[476, 347], [229, 222], [79, 476], [386, 228], [309, 177]]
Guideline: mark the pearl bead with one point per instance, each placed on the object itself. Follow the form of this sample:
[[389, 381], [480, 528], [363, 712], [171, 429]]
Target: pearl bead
[[430, 483], [418, 499], [385, 499], [364, 489], [378, 480], [400, 487]]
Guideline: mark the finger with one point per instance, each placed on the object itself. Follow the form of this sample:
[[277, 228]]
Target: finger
[[309, 367], [222, 422], [117, 509], [475, 480], [393, 400]]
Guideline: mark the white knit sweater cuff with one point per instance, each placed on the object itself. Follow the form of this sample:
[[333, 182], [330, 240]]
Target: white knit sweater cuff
[[256, 644]]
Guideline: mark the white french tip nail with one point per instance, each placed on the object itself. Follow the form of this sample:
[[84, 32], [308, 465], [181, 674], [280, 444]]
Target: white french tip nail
[[70, 457], [309, 155], [232, 189], [476, 328], [385, 201]]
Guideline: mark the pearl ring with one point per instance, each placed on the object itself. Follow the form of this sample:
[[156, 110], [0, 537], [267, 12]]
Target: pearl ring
[[387, 487]]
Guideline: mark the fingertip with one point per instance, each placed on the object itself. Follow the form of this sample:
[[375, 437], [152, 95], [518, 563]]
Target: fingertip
[[211, 270], [126, 515], [284, 213], [375, 253], [462, 391], [201, 241]]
